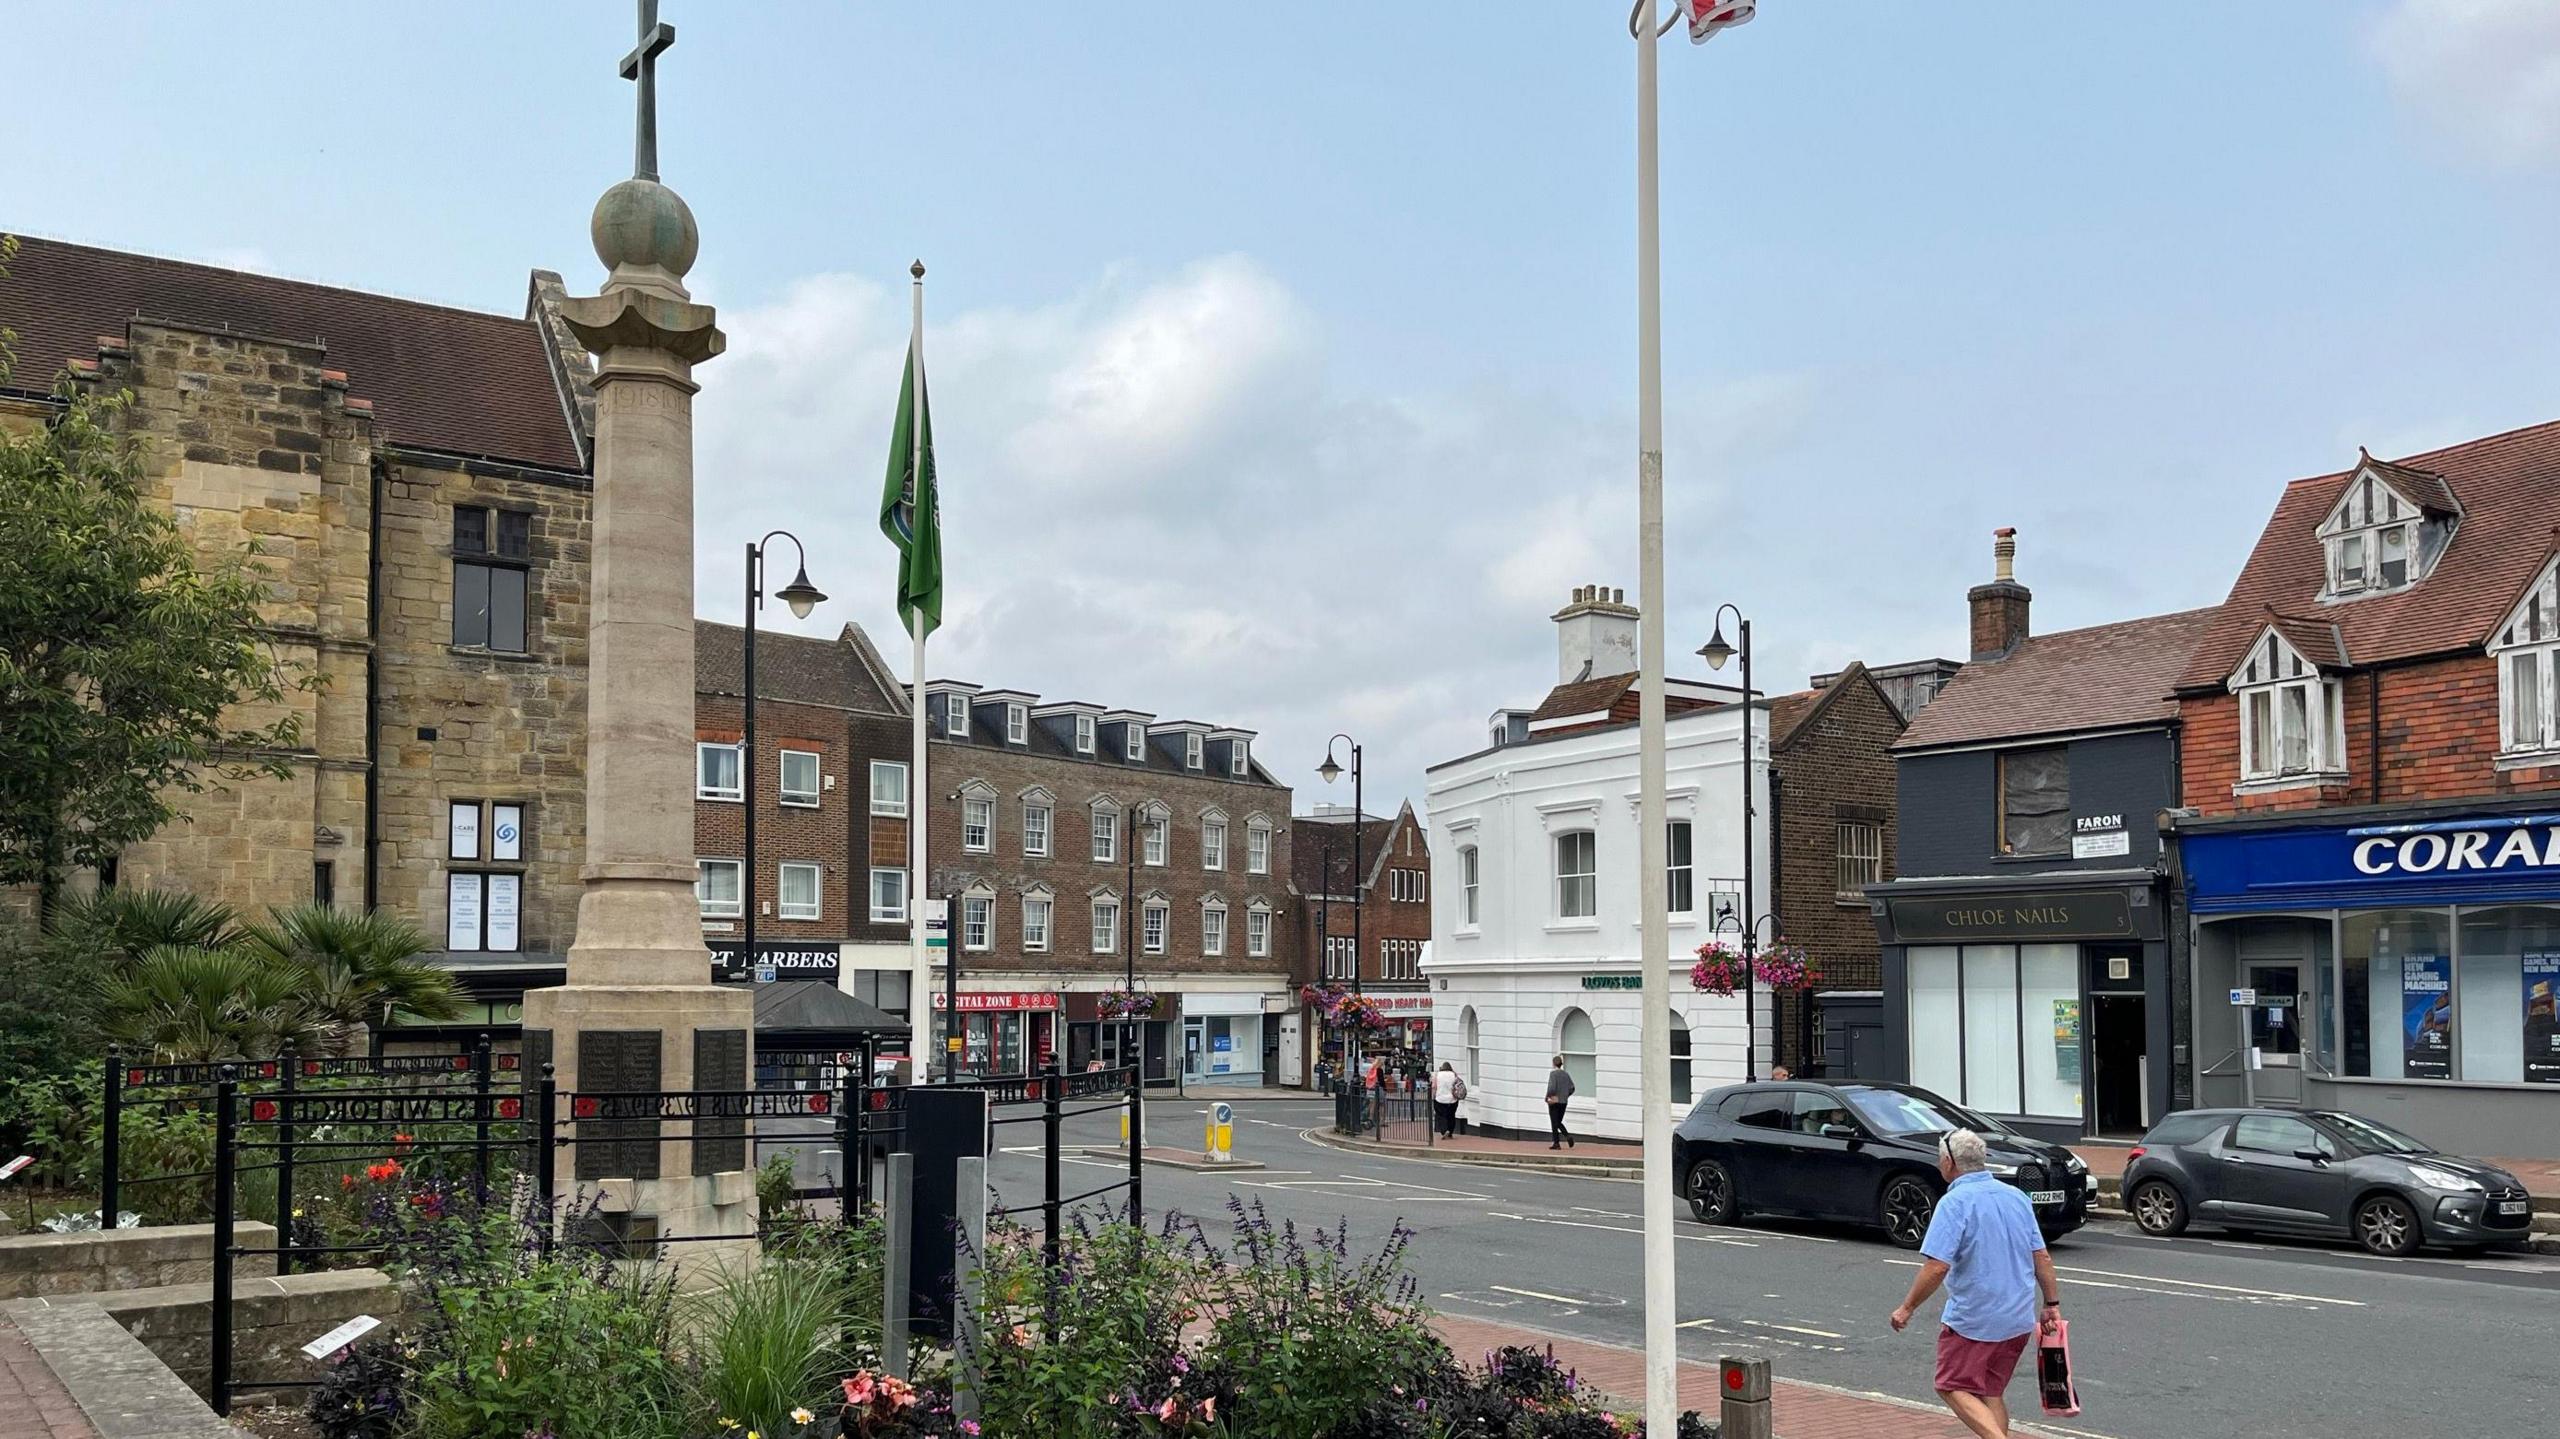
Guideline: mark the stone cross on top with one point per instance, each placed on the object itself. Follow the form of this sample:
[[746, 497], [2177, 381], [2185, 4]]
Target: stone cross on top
[[642, 65]]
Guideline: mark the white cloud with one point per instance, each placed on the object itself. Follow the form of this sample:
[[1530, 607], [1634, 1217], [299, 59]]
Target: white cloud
[[1152, 497], [2485, 71]]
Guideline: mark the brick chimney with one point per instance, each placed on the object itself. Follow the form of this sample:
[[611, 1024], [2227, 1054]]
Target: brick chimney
[[1595, 635], [2000, 607]]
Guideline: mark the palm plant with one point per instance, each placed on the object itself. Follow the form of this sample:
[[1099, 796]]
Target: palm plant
[[202, 1006], [120, 926], [354, 969]]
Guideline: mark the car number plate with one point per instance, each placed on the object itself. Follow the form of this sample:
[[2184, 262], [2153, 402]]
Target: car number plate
[[2511, 1206], [2044, 1196]]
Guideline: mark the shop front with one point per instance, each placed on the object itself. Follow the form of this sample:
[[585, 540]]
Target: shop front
[[1222, 1036], [1094, 1042], [1002, 1032], [2404, 965], [1403, 1050], [2042, 1000]]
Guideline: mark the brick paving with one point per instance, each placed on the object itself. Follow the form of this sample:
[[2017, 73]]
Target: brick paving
[[1798, 1410], [33, 1403]]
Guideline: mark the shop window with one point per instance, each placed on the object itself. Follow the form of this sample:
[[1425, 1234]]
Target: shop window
[[1937, 1046], [2508, 973], [1679, 1059], [1990, 973], [2035, 801], [1680, 879], [1578, 1042], [2396, 988], [1577, 875], [2051, 1026]]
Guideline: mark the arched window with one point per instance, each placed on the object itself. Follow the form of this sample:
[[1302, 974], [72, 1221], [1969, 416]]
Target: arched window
[[1579, 1043], [1679, 1058], [1475, 1052]]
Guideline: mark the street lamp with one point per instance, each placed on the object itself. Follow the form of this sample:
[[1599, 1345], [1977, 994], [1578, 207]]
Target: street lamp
[[1749, 930], [802, 597], [1716, 651], [1330, 771], [1133, 930], [1661, 1293]]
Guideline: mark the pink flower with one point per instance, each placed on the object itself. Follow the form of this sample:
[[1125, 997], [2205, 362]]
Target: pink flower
[[858, 1389], [1168, 1410], [1209, 1410]]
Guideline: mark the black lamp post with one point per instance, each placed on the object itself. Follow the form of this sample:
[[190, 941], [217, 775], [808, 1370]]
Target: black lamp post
[[1716, 652], [803, 597], [1133, 930], [1332, 771], [1750, 932]]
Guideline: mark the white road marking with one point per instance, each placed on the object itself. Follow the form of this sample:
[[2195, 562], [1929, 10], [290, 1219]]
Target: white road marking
[[1714, 1327], [1353, 1186], [2193, 1289], [1796, 1329], [1604, 1213], [1534, 1294], [1614, 1229]]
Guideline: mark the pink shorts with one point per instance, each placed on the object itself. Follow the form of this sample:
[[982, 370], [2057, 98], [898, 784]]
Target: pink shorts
[[1977, 1366]]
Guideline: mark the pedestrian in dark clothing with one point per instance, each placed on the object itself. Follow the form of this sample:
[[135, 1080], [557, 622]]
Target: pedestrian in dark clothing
[[1559, 1089]]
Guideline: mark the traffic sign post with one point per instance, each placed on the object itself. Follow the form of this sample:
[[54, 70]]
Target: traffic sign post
[[1222, 1133]]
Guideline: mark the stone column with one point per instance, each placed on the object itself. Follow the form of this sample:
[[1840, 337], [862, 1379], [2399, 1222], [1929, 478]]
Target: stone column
[[640, 1012]]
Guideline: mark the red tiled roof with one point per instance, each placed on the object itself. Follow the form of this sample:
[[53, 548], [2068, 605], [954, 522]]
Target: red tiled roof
[[1788, 711], [1584, 697], [2314, 637], [440, 378], [2509, 489], [2098, 678]]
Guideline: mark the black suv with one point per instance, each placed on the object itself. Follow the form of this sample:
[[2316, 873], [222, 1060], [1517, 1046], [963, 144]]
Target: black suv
[[1866, 1153]]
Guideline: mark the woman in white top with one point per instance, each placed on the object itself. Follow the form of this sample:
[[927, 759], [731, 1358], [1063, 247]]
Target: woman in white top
[[1446, 1090]]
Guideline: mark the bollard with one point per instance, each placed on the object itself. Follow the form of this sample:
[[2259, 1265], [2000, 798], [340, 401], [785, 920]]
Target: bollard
[[968, 1273], [1219, 1146], [1052, 1179], [1743, 1389], [111, 1141], [898, 1201]]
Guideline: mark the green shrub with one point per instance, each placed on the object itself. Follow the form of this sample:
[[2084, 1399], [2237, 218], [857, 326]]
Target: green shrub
[[771, 1339], [556, 1348]]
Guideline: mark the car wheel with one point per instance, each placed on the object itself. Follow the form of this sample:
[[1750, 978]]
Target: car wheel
[[1904, 1209], [2385, 1224], [1711, 1195], [2159, 1208]]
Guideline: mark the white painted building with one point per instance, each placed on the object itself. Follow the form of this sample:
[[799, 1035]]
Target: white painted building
[[1534, 860]]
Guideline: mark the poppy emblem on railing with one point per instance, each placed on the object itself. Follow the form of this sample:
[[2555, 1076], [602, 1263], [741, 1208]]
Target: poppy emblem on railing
[[262, 1111], [818, 1101], [583, 1108], [511, 1109]]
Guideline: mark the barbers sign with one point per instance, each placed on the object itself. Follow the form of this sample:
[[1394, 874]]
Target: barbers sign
[[789, 959]]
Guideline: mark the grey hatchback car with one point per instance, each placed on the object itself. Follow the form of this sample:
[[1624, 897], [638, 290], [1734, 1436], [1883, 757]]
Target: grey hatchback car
[[2319, 1172]]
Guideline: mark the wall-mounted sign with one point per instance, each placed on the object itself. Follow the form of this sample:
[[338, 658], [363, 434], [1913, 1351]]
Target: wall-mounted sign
[[975, 1003], [2064, 914], [2099, 836], [2426, 1014], [2243, 998], [1613, 981], [2322, 866], [788, 958]]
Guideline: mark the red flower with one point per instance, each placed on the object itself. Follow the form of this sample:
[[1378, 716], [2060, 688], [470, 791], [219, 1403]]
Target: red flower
[[384, 1172]]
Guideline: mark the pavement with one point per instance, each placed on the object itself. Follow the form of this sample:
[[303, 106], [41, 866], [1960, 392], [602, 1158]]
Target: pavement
[[2199, 1335], [33, 1403]]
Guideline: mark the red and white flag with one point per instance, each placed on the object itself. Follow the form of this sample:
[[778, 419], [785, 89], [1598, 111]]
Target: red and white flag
[[1706, 17]]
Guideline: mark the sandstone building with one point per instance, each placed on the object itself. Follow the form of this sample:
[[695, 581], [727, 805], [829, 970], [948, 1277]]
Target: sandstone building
[[418, 478]]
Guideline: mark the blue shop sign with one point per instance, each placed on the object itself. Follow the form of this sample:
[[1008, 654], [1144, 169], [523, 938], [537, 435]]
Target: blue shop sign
[[2461, 861]]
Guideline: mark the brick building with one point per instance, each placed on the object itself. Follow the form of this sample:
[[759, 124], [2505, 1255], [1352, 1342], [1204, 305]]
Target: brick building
[[1059, 832], [2365, 842], [1391, 885], [829, 721], [1831, 835], [418, 478]]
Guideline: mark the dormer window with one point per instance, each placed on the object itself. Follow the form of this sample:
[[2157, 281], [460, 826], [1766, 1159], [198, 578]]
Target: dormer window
[[2526, 648], [1084, 734], [2380, 536], [955, 716], [1017, 724], [2292, 716], [1192, 751], [1236, 761], [1137, 737]]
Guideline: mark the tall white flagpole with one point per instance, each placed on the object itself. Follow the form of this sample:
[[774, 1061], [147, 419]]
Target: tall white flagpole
[[1661, 1291], [920, 987]]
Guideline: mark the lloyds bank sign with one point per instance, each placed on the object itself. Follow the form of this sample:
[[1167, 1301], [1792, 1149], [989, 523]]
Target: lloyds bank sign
[[2314, 866]]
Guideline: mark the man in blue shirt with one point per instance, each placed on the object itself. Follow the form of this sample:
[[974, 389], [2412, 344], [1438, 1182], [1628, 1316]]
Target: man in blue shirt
[[1983, 1244]]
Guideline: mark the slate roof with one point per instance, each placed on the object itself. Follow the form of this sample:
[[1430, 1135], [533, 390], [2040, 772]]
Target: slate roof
[[2508, 490], [1788, 714], [2103, 677], [1309, 834], [800, 669], [440, 378], [1054, 737], [2315, 637]]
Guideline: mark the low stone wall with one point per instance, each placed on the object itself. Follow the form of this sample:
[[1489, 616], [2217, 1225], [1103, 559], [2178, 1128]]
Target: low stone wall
[[121, 1387], [271, 1319], [106, 1260]]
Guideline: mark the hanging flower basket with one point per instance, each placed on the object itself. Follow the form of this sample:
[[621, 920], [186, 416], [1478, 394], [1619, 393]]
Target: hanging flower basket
[[1344, 1010], [1125, 1004], [1721, 969]]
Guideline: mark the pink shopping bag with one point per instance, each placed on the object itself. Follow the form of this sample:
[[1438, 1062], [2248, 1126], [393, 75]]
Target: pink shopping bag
[[2053, 1370]]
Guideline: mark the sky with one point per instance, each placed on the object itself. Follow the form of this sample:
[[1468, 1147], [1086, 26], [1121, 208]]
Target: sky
[[1283, 356]]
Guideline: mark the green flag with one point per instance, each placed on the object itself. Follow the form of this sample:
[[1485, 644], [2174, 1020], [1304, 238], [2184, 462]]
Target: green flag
[[910, 511]]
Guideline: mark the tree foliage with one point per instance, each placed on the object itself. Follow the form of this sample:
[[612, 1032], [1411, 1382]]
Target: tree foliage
[[122, 651]]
